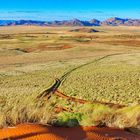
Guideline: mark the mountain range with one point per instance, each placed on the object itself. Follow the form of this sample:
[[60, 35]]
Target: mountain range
[[115, 21]]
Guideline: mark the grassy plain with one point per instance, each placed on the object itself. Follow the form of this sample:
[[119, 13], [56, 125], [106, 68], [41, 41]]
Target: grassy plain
[[32, 57]]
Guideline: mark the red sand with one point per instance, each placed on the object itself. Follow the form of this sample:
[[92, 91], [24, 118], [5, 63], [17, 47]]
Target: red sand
[[47, 48], [40, 132]]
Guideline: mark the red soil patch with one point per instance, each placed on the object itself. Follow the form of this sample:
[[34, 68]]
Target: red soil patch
[[40, 132], [46, 48], [60, 94], [133, 43]]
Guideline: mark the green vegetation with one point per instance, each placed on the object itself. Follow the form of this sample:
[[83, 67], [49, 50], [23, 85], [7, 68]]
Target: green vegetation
[[101, 115]]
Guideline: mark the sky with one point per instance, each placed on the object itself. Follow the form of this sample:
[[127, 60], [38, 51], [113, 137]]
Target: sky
[[48, 10]]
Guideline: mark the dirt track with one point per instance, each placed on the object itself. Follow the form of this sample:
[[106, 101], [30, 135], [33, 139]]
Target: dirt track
[[40, 132]]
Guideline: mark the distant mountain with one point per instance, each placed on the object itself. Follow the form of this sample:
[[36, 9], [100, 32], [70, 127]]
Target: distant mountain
[[20, 22], [95, 22], [119, 21], [114, 21], [74, 22], [132, 22], [6, 22]]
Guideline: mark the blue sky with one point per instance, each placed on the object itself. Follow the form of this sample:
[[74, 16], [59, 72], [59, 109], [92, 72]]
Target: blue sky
[[68, 9]]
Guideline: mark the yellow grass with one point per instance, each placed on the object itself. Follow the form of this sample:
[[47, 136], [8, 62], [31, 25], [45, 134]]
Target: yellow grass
[[32, 57]]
